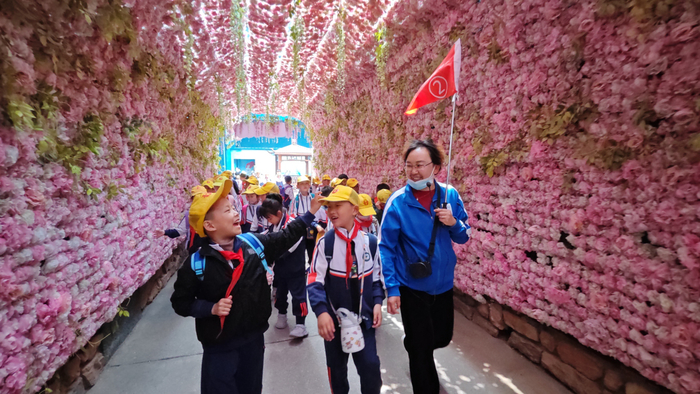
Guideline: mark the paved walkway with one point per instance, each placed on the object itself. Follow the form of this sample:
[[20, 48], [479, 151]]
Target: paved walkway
[[162, 355]]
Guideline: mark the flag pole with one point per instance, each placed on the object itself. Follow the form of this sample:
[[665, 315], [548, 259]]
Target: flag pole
[[449, 157]]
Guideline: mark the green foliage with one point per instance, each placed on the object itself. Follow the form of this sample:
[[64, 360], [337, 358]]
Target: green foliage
[[340, 49], [380, 52], [644, 12], [121, 312], [237, 17], [71, 152], [548, 124], [490, 162], [114, 20]]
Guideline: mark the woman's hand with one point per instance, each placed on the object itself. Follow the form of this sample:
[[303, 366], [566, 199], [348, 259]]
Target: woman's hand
[[377, 316], [393, 304], [445, 216], [326, 327], [158, 233]]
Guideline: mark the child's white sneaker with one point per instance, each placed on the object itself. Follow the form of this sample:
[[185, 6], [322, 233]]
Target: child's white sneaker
[[299, 331], [281, 321]]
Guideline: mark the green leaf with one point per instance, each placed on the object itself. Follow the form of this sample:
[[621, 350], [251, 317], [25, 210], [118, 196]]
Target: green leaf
[[75, 169], [695, 142]]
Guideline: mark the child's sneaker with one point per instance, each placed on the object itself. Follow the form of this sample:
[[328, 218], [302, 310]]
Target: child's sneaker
[[281, 321], [299, 331]]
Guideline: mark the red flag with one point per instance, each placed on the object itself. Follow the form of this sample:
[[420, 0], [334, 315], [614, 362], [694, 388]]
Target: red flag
[[443, 83]]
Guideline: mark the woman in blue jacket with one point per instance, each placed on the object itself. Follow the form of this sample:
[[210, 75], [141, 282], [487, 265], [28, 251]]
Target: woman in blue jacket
[[419, 284]]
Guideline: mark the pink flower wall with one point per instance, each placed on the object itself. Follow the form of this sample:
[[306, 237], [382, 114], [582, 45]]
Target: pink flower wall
[[101, 139], [576, 151]]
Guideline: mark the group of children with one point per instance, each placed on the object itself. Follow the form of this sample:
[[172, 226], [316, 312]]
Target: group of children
[[241, 243]]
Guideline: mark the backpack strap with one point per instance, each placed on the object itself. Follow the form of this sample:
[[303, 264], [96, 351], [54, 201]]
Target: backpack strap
[[329, 241], [257, 247], [197, 262], [372, 245]]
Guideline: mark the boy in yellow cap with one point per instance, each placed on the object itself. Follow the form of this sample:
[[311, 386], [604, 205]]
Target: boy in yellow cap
[[354, 184], [343, 179], [383, 195], [325, 180], [300, 205], [225, 287], [345, 262], [249, 216], [262, 193], [368, 223]]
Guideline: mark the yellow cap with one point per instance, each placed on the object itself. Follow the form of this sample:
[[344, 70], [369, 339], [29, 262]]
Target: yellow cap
[[303, 178], [335, 182], [209, 183], [252, 180], [383, 195], [199, 189], [366, 208], [220, 179], [202, 203], [316, 181], [269, 187], [352, 182], [326, 177], [227, 174], [342, 193], [251, 189]]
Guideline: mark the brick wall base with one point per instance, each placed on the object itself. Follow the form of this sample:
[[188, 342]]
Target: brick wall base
[[83, 368], [583, 370]]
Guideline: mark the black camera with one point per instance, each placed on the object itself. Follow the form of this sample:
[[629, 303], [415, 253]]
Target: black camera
[[420, 270]]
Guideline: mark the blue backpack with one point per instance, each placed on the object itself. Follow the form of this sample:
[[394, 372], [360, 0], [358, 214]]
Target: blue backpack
[[198, 262], [330, 241]]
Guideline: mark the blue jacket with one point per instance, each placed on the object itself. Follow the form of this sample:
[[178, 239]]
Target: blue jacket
[[406, 221]]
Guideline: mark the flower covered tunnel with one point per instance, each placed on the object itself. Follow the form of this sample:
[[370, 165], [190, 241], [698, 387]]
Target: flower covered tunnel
[[576, 151]]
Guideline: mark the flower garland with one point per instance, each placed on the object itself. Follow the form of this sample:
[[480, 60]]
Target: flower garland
[[102, 134], [576, 153]]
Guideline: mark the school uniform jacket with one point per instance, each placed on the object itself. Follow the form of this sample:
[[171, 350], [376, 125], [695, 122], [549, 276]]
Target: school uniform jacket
[[252, 305], [326, 282], [293, 261]]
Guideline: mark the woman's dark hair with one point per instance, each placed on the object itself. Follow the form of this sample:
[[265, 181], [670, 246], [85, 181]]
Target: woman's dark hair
[[437, 156], [235, 187], [343, 176], [326, 191], [271, 205], [383, 186]]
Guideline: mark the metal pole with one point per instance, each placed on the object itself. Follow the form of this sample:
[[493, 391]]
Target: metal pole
[[449, 157]]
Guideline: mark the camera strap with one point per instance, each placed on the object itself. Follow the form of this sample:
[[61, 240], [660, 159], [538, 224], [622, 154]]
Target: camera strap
[[433, 235]]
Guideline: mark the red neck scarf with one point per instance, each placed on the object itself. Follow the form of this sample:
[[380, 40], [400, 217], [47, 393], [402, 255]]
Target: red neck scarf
[[228, 255], [348, 249], [364, 223]]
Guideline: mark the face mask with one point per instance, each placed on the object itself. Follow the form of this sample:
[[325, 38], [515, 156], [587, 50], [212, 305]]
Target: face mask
[[423, 183]]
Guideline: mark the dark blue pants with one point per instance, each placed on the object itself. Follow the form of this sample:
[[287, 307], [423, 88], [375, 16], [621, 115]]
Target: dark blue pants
[[296, 285], [366, 362], [234, 369]]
